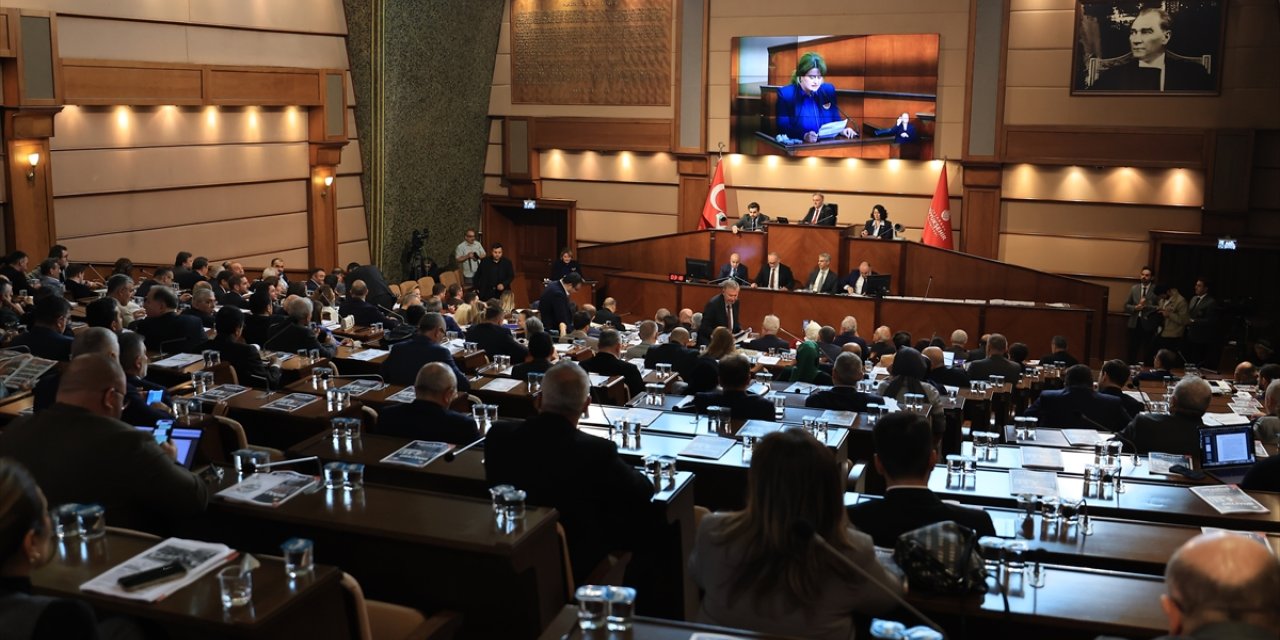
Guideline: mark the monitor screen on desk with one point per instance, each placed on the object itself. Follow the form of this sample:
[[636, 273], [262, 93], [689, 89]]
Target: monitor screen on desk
[[877, 285], [697, 269]]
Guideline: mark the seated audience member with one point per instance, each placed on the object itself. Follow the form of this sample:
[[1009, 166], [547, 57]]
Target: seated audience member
[[849, 333], [1018, 354], [433, 305], [250, 368], [1266, 375], [844, 394], [202, 307], [47, 338], [608, 362], [881, 344], [580, 323], [1245, 373], [315, 280], [468, 311], [1115, 374], [940, 373], [906, 375], [166, 331], [685, 319], [428, 417], [123, 266], [238, 285], [806, 367], [365, 312], [15, 269], [1263, 353], [648, 334], [494, 338], [51, 277], [80, 451], [827, 343], [1162, 366], [675, 352], [102, 313], [133, 360], [604, 502], [10, 311], [763, 572], [295, 332], [959, 342], [1267, 427], [1220, 585], [979, 352], [27, 542], [99, 340], [905, 457], [408, 357], [704, 373], [768, 336], [735, 377], [260, 325], [532, 326], [199, 273], [121, 288], [668, 324], [163, 277], [1078, 405], [404, 330], [1059, 355], [607, 314], [541, 356], [1177, 432], [996, 362]]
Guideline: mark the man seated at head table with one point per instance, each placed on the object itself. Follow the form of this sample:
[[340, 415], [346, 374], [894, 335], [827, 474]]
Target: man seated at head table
[[856, 283], [295, 332], [822, 279], [428, 417], [1078, 405], [166, 331], [1221, 585], [768, 336], [844, 395], [80, 451], [47, 337], [735, 270], [406, 358], [996, 362], [1162, 366], [940, 373], [495, 339], [773, 274], [1177, 432], [602, 499], [608, 362], [905, 456], [1111, 381], [542, 354], [735, 377], [752, 220], [648, 334], [251, 370]]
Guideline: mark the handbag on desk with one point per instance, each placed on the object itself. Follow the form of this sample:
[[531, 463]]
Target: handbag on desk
[[942, 558]]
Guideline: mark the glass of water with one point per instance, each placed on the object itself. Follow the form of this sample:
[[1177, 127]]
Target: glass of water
[[593, 607], [235, 588], [298, 557], [93, 521], [66, 520], [622, 604]]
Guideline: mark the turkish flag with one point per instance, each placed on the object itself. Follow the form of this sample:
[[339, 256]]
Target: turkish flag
[[937, 225], [714, 208]]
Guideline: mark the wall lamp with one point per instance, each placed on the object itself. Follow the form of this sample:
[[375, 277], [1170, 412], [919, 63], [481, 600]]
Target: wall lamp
[[33, 159], [328, 182]]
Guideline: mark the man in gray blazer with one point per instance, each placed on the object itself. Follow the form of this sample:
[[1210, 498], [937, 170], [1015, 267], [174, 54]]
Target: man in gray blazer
[[1143, 321]]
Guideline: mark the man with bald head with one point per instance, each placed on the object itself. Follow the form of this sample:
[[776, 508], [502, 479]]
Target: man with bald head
[[604, 502], [735, 270], [844, 394], [940, 373], [80, 451], [1178, 431], [648, 333], [428, 417], [675, 352], [1222, 585]]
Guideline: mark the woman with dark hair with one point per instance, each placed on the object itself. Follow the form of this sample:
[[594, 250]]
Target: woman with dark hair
[[26, 544], [565, 265], [763, 570], [907, 375], [320, 299], [807, 103], [878, 226], [123, 266], [704, 375]]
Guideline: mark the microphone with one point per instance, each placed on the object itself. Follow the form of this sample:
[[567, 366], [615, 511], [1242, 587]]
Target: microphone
[[280, 463], [793, 336], [803, 530], [927, 287], [453, 453], [391, 313]]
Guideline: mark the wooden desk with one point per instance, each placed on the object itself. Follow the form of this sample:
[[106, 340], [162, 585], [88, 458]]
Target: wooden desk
[[1074, 461], [279, 429], [420, 549], [565, 626], [310, 607], [13, 405], [376, 399]]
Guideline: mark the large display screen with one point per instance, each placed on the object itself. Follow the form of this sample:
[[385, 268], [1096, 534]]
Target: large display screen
[[871, 96]]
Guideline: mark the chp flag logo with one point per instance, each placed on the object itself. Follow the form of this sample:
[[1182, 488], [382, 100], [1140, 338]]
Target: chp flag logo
[[937, 225]]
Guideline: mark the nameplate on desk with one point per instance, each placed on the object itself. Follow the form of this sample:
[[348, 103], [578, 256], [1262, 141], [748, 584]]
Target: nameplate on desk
[[1024, 482], [366, 355], [1162, 462], [179, 361], [707, 446], [501, 385], [1041, 458], [291, 402], [643, 416], [361, 387]]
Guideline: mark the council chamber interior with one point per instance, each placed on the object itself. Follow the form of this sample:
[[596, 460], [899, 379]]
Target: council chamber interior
[[1037, 183]]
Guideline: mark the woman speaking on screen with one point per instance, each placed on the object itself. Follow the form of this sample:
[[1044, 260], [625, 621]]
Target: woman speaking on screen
[[808, 103]]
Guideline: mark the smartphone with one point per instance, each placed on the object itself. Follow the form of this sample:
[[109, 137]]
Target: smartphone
[[152, 577], [162, 430], [154, 396]]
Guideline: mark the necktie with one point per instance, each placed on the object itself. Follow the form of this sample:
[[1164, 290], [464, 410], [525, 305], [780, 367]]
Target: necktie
[[773, 277], [728, 313], [858, 288], [1195, 301], [817, 282]]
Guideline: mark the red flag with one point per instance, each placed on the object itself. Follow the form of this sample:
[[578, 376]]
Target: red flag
[[714, 208], [937, 225]]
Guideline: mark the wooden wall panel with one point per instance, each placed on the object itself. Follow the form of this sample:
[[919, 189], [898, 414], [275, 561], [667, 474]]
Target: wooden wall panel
[[660, 255], [923, 320], [1037, 327], [83, 172], [121, 127], [261, 235], [1123, 185], [601, 134], [349, 252], [798, 247], [131, 85], [319, 16], [351, 225], [616, 226], [264, 87], [624, 166], [1106, 147], [139, 210], [615, 196], [1086, 220]]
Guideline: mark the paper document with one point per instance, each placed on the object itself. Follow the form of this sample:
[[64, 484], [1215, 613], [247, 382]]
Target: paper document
[[832, 129], [598, 380], [1224, 419], [1228, 498], [367, 354], [707, 446], [361, 387], [222, 392], [768, 361], [405, 395], [1041, 458], [418, 453], [1081, 437], [29, 369], [1161, 462], [838, 418], [291, 402], [198, 557], [268, 489], [179, 361], [1035, 483], [501, 385]]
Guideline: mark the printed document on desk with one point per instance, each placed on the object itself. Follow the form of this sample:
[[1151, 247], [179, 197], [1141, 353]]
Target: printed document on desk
[[198, 557]]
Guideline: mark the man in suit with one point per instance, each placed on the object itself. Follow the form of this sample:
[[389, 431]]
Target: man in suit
[[1222, 585], [379, 293], [1151, 66], [365, 312], [940, 373], [428, 417], [133, 360], [752, 220], [821, 279], [608, 362], [1078, 405], [721, 311], [541, 356], [202, 307], [164, 329], [603, 501], [199, 273], [607, 314], [774, 274], [1177, 432], [856, 283], [734, 270], [494, 338], [1059, 355], [554, 306], [295, 332], [905, 456], [80, 451], [844, 395], [820, 213], [406, 359], [648, 334], [996, 362], [1174, 316], [581, 326], [1201, 341], [827, 344], [51, 276], [239, 288], [1111, 381], [250, 368], [1162, 366], [1141, 306], [768, 336], [959, 344], [849, 334], [47, 338], [260, 324], [674, 352], [495, 273], [735, 377], [881, 344]]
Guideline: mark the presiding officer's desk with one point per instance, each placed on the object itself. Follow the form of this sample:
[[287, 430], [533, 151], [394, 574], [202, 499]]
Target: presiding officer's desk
[[310, 607], [425, 550]]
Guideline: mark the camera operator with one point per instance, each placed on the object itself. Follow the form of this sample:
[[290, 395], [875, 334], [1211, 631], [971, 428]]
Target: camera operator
[[468, 254]]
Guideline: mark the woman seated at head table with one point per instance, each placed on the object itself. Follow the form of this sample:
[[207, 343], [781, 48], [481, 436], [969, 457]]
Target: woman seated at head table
[[26, 544], [878, 226], [763, 571], [564, 266]]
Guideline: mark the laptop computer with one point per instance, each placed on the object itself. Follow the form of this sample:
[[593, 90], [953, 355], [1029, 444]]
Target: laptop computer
[[1226, 453], [186, 440]]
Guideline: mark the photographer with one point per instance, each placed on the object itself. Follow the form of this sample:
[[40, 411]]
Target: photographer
[[468, 254]]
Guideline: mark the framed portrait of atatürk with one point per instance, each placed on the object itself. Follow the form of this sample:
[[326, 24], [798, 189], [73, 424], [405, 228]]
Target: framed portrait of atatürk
[[1136, 47]]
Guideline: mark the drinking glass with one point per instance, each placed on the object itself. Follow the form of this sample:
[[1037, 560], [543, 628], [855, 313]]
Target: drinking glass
[[66, 520], [353, 476], [334, 475], [298, 557], [622, 603], [235, 588], [593, 607], [779, 407], [93, 521]]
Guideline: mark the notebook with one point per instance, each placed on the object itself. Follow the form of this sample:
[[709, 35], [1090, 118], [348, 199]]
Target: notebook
[[1226, 453]]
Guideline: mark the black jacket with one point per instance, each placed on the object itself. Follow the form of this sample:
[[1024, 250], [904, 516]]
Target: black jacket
[[908, 508], [406, 358], [607, 364], [742, 405], [170, 332], [490, 274], [496, 340], [785, 279], [251, 369], [45, 343], [840, 399], [426, 420]]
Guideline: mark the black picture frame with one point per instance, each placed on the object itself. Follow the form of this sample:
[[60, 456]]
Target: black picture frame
[[1104, 61]]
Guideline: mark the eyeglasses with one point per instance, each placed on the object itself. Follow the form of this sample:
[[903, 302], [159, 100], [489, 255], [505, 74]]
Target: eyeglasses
[[124, 397]]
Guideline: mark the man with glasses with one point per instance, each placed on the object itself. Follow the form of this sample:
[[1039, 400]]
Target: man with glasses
[[468, 254], [408, 357], [80, 451]]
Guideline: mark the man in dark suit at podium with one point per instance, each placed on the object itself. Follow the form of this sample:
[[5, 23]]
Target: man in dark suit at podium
[[734, 270], [820, 213], [774, 274], [721, 311]]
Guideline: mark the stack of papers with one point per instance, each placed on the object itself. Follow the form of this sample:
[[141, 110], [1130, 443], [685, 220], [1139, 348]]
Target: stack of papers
[[199, 558], [418, 453], [367, 354], [269, 489], [501, 385], [405, 395], [179, 361], [709, 447], [1041, 458], [222, 392], [1224, 419], [291, 402], [1082, 437], [1228, 498], [1023, 482], [361, 387]]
